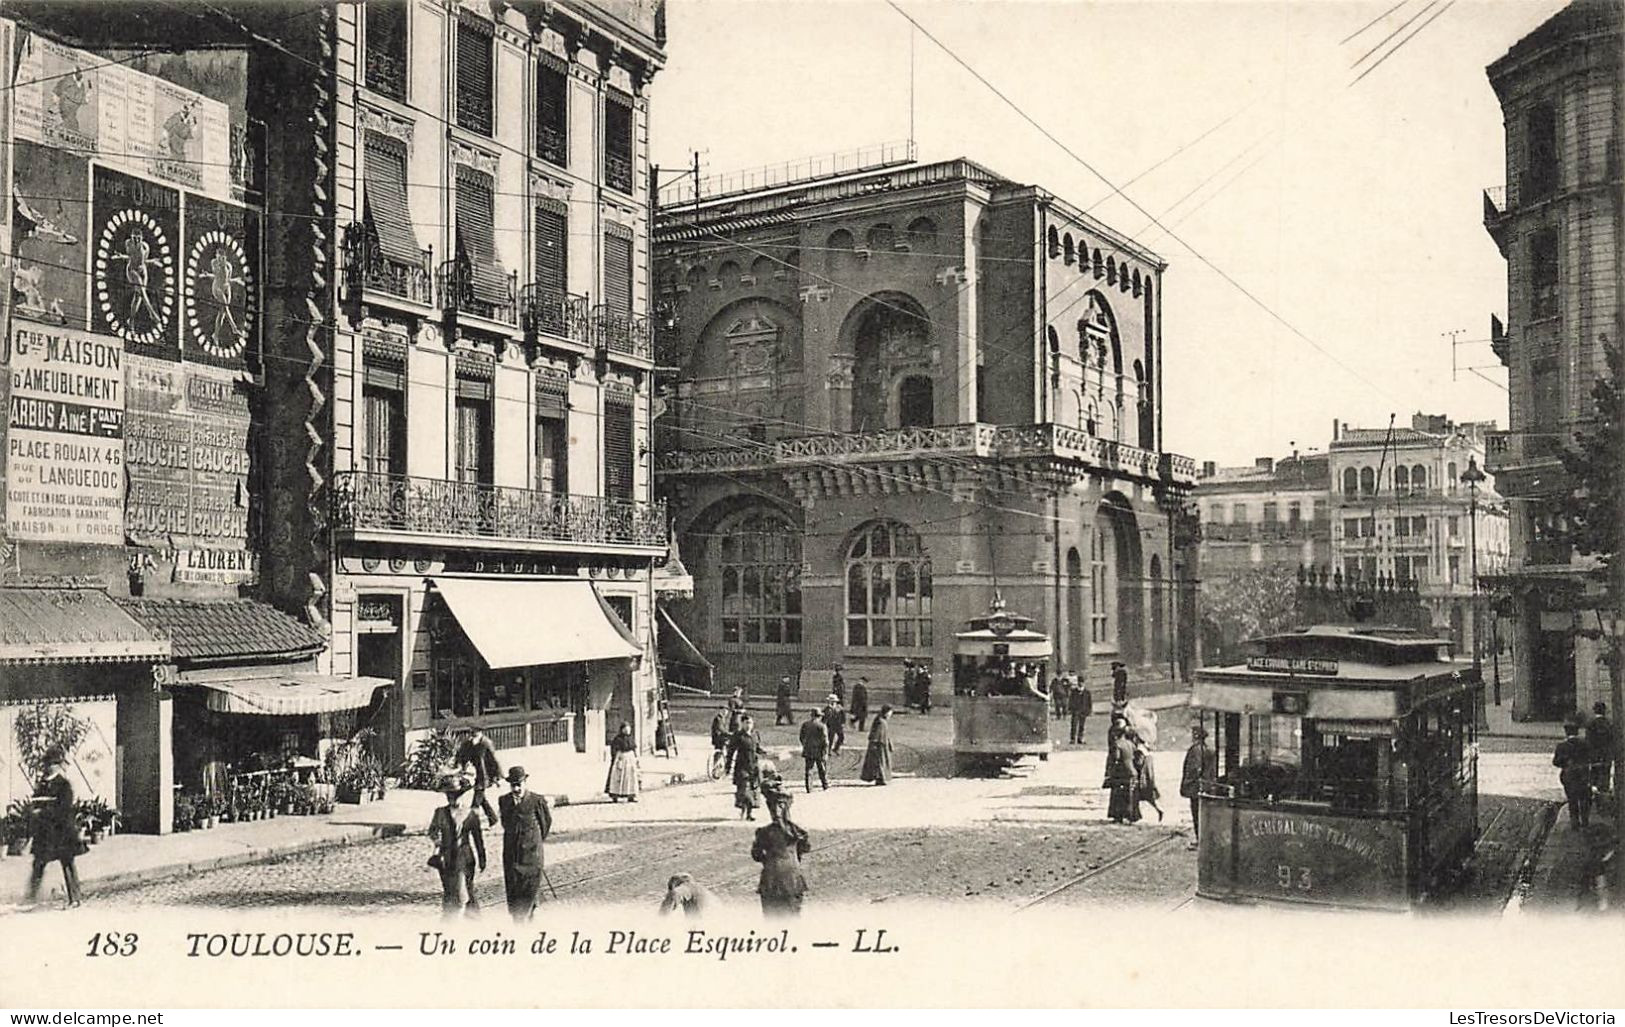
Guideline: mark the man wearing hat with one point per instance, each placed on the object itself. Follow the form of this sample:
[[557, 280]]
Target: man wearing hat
[[56, 834], [837, 682], [1201, 767], [782, 711], [526, 820], [477, 750], [860, 704], [1119, 682], [815, 750], [835, 723]]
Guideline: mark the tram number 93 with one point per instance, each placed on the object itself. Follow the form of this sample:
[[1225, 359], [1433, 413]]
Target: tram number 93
[[1291, 878]]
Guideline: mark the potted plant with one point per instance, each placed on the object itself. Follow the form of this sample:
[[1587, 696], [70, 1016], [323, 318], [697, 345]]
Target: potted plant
[[362, 780], [95, 818], [185, 813], [18, 827], [205, 809]]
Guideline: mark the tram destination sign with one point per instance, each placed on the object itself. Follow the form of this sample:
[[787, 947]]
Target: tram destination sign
[[1292, 665]]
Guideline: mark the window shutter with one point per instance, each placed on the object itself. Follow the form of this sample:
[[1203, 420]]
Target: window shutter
[[387, 213], [618, 273], [618, 464], [474, 76], [552, 113], [552, 240], [386, 47], [618, 124], [476, 236]]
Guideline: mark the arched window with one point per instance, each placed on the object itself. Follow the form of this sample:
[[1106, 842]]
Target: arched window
[[922, 235], [1111, 271], [1452, 480], [1101, 589], [1100, 266], [728, 274], [1054, 242], [888, 588], [1069, 251], [881, 238], [1091, 419], [1368, 482], [762, 268], [840, 239], [1351, 481], [1136, 281], [1402, 480], [696, 277], [1159, 619], [890, 337], [760, 569], [1419, 479], [915, 408]]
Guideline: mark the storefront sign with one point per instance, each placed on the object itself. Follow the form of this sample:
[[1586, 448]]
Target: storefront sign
[[187, 449], [1292, 665], [216, 566], [82, 102], [378, 615], [65, 444]]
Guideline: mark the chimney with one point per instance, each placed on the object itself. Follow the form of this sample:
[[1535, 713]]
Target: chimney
[[1336, 425], [1264, 463], [1208, 468]]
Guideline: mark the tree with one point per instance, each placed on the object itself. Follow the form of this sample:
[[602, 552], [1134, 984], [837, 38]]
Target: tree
[[1257, 601], [1591, 511]]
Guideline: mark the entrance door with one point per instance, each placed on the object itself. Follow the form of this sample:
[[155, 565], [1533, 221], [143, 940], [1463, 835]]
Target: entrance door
[[1553, 675], [379, 656]]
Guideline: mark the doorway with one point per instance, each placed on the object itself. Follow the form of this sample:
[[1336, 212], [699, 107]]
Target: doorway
[[1553, 675]]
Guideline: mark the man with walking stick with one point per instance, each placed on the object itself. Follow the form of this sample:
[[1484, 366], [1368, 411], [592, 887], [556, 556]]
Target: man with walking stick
[[526, 821]]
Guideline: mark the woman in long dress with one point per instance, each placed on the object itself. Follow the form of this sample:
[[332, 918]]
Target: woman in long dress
[[1145, 776], [877, 760], [622, 782], [779, 847], [1122, 808], [459, 848], [746, 751]]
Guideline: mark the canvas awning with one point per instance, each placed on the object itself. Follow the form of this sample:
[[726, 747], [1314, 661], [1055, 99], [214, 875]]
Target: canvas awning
[[71, 625], [290, 695], [534, 623], [675, 646]]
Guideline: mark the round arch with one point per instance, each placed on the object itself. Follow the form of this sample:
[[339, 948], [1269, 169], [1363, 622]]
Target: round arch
[[888, 335]]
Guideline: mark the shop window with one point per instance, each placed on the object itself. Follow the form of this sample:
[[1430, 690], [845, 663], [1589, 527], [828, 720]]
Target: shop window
[[618, 147], [552, 113], [387, 47], [475, 55], [888, 588], [760, 571], [1543, 272]]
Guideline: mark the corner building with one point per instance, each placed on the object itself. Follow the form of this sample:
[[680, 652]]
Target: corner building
[[898, 391], [493, 531]]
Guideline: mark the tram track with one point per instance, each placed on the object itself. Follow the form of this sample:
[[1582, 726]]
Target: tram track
[[1093, 872]]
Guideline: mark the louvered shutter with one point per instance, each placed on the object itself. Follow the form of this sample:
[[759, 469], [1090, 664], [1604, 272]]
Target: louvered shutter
[[552, 113], [618, 468], [388, 216], [552, 240], [618, 274], [473, 77], [476, 236], [386, 47]]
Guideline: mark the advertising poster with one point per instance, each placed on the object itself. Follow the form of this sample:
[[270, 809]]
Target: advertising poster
[[50, 234], [187, 450], [135, 263], [95, 106], [220, 289], [65, 437]]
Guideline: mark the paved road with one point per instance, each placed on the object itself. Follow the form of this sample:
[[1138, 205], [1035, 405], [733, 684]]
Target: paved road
[[1038, 836]]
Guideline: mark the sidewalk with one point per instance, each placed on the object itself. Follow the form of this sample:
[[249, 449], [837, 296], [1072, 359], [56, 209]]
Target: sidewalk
[[1558, 881], [126, 859]]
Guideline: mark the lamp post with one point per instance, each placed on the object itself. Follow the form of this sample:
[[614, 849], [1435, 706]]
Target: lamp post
[[1472, 477]]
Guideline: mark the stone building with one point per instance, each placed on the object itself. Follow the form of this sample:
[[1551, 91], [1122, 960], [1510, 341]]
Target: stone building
[[1275, 513], [1557, 221], [1400, 511], [896, 392]]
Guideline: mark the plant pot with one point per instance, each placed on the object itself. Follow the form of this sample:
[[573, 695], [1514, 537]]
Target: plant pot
[[96, 837], [347, 794]]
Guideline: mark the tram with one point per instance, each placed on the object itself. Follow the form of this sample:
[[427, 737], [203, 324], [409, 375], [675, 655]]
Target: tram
[[1345, 770], [1001, 697]]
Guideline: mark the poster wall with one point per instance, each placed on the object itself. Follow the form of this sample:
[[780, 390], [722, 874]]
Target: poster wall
[[65, 436], [50, 221], [98, 108], [186, 446], [135, 263], [220, 295]]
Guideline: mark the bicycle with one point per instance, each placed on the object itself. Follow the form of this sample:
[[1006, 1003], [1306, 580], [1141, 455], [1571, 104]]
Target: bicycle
[[718, 765]]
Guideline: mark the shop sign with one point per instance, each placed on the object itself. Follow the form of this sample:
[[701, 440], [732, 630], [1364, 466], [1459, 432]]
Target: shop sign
[[65, 443], [216, 566], [74, 100], [1292, 665], [187, 450], [377, 615]]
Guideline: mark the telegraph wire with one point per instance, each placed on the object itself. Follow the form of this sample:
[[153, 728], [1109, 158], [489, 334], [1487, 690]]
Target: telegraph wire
[[1372, 22], [1402, 26], [1400, 45]]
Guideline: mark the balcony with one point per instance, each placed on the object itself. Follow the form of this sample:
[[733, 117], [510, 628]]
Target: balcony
[[396, 507], [555, 313], [618, 172], [953, 441], [367, 269], [1495, 215], [621, 333], [1507, 450], [488, 294]]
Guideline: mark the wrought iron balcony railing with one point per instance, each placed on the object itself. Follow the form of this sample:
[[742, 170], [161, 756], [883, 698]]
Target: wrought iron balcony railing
[[618, 172], [552, 145], [494, 298], [620, 332], [549, 311], [372, 501], [366, 268]]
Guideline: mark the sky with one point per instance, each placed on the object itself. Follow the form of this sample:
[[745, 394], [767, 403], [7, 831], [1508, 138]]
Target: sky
[[1351, 211]]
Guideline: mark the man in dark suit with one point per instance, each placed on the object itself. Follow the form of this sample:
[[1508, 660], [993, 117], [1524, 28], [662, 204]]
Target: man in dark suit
[[1080, 702], [526, 821], [1119, 682], [1201, 768], [860, 704], [1600, 740], [835, 723], [1573, 760], [477, 750], [815, 750]]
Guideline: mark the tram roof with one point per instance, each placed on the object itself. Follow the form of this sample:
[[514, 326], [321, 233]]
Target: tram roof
[[1348, 654]]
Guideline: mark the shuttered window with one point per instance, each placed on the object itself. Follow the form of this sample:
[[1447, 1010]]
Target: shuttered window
[[552, 113], [552, 241], [552, 443], [618, 142], [618, 462], [386, 47], [473, 457], [618, 273], [476, 236], [474, 80], [389, 219], [384, 411]]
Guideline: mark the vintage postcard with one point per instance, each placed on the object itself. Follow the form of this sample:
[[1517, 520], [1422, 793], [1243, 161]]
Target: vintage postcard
[[811, 503]]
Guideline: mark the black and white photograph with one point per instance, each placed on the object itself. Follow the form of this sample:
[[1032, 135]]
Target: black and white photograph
[[795, 504]]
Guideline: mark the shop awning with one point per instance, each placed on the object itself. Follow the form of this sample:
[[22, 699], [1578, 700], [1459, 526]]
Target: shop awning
[[532, 623], [71, 625], [675, 646], [290, 695]]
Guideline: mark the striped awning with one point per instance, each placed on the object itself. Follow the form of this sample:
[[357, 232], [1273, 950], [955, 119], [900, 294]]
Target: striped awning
[[386, 209], [680, 226], [290, 695]]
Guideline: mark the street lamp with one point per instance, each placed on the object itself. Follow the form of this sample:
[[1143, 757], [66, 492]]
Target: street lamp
[[1472, 477]]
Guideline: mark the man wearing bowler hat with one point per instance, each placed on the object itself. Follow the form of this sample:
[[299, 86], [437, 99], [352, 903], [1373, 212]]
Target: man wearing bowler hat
[[526, 821]]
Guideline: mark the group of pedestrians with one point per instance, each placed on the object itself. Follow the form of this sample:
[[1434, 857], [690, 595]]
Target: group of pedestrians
[[1130, 771], [459, 843], [1069, 697], [917, 686], [1585, 762]]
